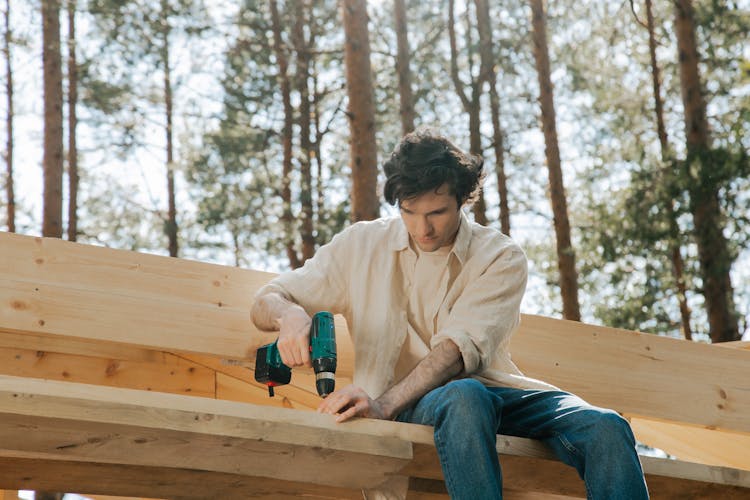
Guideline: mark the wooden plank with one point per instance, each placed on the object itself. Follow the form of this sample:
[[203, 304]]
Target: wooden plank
[[171, 374], [130, 480], [63, 289], [54, 288], [110, 497], [90, 423], [150, 296], [638, 373], [739, 344], [83, 347], [694, 444], [54, 421]]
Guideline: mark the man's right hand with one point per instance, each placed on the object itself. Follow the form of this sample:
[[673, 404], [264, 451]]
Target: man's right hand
[[294, 337]]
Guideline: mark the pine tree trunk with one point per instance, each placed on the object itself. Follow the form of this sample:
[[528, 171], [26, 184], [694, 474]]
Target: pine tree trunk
[[403, 56], [361, 111], [53, 120], [303, 50], [72, 124], [497, 143], [475, 147], [674, 232], [471, 106], [713, 253], [10, 195], [171, 222], [286, 191], [489, 75], [565, 253], [318, 133]]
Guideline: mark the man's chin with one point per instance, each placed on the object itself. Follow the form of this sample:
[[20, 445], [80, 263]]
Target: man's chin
[[429, 246]]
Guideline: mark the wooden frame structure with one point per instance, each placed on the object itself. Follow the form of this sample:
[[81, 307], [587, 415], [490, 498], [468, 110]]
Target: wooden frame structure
[[114, 380]]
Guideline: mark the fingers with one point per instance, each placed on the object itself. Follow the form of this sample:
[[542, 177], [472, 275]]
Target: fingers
[[346, 403], [294, 350], [294, 337], [353, 411]]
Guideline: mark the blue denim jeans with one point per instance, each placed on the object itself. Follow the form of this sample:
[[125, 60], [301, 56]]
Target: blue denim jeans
[[467, 416]]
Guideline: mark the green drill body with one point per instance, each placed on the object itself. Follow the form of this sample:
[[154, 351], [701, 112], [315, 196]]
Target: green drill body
[[270, 370]]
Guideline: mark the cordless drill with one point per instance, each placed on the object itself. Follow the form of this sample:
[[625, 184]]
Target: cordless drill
[[270, 370]]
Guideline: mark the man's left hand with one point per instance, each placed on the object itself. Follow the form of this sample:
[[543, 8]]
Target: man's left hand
[[349, 402]]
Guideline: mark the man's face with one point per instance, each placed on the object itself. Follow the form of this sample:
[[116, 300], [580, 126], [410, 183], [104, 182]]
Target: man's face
[[432, 218]]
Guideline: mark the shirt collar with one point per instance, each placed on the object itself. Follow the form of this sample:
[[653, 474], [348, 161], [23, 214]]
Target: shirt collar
[[400, 239]]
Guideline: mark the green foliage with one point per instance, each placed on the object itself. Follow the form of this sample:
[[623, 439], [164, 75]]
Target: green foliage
[[629, 201]]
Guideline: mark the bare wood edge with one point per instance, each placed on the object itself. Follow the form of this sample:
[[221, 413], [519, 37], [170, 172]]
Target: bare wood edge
[[694, 443], [145, 481]]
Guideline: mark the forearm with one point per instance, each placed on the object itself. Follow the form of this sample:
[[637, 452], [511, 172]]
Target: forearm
[[440, 365], [268, 309]]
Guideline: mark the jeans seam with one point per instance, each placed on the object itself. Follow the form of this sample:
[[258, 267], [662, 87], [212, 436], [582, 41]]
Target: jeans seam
[[575, 451], [571, 448], [443, 464]]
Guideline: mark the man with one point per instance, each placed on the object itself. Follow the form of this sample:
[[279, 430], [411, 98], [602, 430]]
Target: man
[[431, 300]]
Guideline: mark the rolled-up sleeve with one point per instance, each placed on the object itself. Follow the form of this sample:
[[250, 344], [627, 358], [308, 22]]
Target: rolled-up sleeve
[[320, 284], [487, 311]]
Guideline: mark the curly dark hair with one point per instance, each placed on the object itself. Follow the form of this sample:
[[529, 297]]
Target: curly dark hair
[[423, 161]]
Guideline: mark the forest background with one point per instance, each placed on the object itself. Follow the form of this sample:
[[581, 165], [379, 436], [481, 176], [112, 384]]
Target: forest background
[[249, 132]]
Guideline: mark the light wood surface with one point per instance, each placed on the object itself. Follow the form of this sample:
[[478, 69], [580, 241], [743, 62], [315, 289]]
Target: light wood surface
[[50, 421], [694, 444], [62, 289], [85, 422], [87, 314], [55, 288], [169, 374], [638, 373]]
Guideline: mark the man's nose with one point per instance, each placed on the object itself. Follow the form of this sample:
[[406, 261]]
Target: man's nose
[[424, 228]]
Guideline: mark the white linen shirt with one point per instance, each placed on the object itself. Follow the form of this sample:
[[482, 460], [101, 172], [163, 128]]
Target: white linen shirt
[[363, 275]]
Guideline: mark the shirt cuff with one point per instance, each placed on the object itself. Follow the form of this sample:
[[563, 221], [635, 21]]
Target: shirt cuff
[[469, 352]]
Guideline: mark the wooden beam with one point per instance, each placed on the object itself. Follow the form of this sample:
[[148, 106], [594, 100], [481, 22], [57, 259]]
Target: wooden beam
[[637, 373], [694, 444], [84, 422], [55, 288], [80, 295], [62, 289], [169, 374], [130, 480], [59, 421]]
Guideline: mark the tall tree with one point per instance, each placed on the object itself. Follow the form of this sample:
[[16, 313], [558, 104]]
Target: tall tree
[[361, 111], [668, 177], [488, 74], [280, 53], [403, 69], [73, 176], [471, 104], [304, 47], [53, 136], [565, 252], [713, 252], [164, 29], [53, 119], [139, 35], [9, 118]]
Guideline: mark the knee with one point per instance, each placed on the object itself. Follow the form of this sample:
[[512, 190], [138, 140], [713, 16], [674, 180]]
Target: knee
[[609, 427], [465, 399], [465, 392]]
